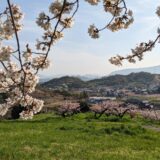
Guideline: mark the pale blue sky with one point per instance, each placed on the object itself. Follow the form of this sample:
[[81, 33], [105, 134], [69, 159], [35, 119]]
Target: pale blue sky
[[77, 53]]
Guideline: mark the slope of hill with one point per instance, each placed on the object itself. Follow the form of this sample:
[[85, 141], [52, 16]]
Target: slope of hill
[[153, 70], [141, 79], [70, 82]]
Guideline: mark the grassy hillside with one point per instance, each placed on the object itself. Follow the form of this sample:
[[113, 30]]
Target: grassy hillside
[[80, 137]]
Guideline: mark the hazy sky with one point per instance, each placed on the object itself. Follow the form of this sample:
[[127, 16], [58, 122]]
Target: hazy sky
[[77, 53]]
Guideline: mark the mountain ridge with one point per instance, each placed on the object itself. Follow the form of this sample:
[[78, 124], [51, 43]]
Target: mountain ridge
[[141, 80], [153, 70]]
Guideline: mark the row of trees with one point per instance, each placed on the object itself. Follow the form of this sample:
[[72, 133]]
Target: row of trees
[[107, 108]]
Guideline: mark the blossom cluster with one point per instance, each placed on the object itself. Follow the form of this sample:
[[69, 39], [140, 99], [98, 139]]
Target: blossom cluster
[[61, 14], [139, 50], [19, 84], [122, 18], [6, 27], [5, 52], [150, 114], [121, 22], [93, 2], [34, 104]]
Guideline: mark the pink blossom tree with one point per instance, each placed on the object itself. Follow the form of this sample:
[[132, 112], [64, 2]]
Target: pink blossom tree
[[109, 108], [68, 109]]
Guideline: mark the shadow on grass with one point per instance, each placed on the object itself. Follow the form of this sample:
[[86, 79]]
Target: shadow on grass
[[82, 117], [91, 118], [125, 130], [43, 120]]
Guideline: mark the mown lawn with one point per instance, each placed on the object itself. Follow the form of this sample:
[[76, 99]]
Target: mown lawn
[[48, 137]]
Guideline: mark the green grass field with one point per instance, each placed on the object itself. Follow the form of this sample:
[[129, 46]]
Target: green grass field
[[48, 137]]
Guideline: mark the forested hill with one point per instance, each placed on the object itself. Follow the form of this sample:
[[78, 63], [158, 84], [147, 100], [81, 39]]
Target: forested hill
[[141, 79], [70, 82]]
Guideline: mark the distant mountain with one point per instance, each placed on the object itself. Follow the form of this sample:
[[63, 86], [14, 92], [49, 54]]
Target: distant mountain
[[87, 77], [43, 80], [140, 80], [153, 70]]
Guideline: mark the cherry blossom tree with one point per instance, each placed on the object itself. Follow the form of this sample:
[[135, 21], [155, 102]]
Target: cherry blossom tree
[[68, 109], [138, 52], [19, 68], [113, 108]]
